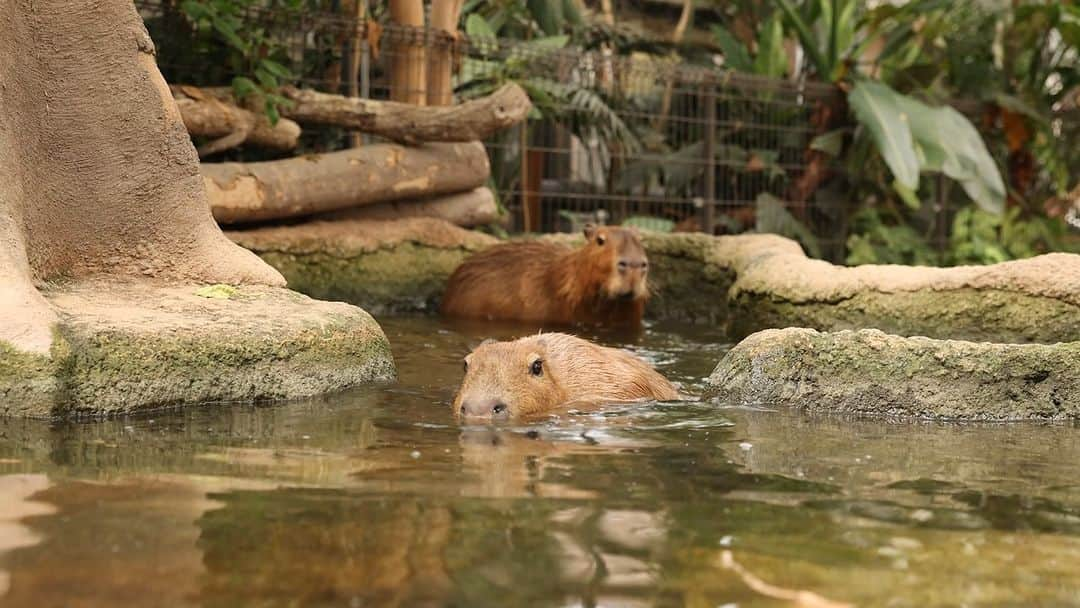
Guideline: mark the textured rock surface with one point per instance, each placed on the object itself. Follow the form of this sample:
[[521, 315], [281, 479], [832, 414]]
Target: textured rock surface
[[869, 371], [124, 347], [384, 266], [745, 282]]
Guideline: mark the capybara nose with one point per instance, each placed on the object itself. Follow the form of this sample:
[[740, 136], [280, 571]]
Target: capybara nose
[[484, 408], [626, 264]]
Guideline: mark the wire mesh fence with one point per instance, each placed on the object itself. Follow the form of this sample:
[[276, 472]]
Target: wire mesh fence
[[642, 139]]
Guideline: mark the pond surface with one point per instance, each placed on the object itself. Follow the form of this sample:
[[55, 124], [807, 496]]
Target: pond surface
[[378, 498]]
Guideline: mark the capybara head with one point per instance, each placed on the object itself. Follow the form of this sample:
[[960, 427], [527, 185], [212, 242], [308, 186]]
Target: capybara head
[[506, 380], [538, 374], [617, 261]]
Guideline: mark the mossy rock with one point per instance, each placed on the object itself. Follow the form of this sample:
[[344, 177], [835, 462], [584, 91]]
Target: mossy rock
[[870, 372], [124, 348]]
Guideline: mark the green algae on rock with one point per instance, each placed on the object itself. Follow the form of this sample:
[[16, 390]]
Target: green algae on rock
[[130, 347], [745, 283], [383, 266], [871, 372]]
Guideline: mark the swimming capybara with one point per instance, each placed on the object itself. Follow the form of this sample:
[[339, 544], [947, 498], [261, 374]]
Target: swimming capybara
[[534, 375], [602, 283]]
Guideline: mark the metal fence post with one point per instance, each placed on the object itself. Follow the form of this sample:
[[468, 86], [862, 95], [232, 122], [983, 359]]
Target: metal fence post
[[708, 223]]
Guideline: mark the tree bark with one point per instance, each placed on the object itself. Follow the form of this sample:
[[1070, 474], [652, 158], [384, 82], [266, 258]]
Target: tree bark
[[97, 173], [444, 20], [206, 116], [408, 73], [467, 209], [470, 121], [251, 192]]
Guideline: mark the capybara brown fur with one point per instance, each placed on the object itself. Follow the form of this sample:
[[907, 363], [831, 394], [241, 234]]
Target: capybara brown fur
[[602, 283], [535, 375]]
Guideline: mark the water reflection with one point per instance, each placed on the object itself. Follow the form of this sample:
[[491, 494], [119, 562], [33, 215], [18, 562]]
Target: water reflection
[[377, 498]]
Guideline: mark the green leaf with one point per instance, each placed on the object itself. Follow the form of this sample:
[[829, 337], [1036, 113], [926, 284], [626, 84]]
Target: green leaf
[[272, 112], [806, 39], [229, 34], [909, 196], [243, 86], [736, 56], [876, 108], [548, 15], [771, 59], [266, 79], [276, 69], [831, 143], [951, 145], [572, 14], [477, 27]]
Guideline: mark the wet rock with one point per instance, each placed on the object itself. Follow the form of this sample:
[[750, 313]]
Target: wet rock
[[872, 372], [125, 347]]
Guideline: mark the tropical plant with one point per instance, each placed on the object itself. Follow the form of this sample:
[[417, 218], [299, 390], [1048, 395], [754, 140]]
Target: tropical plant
[[252, 53]]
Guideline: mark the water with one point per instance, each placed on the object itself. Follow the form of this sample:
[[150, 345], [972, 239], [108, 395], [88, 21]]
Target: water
[[377, 498]]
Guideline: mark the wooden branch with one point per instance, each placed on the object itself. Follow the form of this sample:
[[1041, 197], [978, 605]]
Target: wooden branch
[[251, 192], [205, 114], [473, 208], [472, 120]]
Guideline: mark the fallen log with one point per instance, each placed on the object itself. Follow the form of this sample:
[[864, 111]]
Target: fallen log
[[205, 115], [473, 120], [467, 209], [305, 185], [468, 121]]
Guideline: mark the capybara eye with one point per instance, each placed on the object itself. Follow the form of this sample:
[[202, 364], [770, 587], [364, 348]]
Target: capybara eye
[[498, 409], [466, 366], [537, 368], [600, 239]]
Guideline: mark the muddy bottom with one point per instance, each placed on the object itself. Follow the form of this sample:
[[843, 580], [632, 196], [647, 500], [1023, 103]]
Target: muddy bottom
[[377, 498]]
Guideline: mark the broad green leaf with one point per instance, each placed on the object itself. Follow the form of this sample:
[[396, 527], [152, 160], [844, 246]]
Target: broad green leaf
[[572, 13], [771, 60], [877, 109], [547, 14], [477, 27], [952, 145], [735, 55], [266, 79], [831, 143]]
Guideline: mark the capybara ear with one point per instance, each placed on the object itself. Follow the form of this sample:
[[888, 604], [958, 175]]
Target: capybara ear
[[590, 230]]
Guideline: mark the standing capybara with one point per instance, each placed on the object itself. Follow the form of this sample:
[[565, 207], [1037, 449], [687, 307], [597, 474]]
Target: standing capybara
[[537, 374], [602, 283]]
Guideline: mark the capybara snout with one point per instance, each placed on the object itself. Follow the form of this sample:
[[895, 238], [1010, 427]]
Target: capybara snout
[[538, 374]]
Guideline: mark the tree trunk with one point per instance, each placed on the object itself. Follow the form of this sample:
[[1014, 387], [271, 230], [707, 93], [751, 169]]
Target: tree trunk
[[408, 73], [250, 192], [473, 208], [669, 88], [97, 174], [444, 20], [205, 116], [470, 121]]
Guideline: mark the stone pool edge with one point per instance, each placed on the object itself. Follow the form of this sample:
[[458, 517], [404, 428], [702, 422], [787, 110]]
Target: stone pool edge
[[127, 348]]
